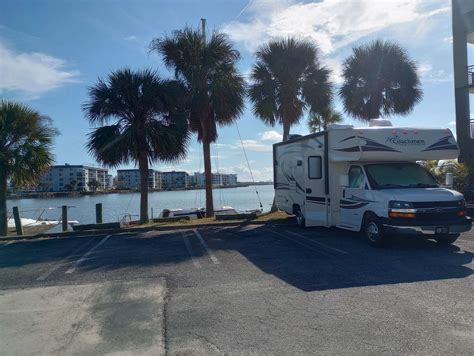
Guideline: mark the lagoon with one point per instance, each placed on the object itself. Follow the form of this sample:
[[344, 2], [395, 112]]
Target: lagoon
[[116, 205]]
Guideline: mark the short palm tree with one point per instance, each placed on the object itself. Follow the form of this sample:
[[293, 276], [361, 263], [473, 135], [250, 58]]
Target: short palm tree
[[25, 149], [379, 79], [142, 121], [215, 89], [287, 80], [319, 121]]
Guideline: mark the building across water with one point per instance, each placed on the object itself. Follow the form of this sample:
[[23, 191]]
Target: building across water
[[218, 180], [74, 178], [174, 180], [130, 179]]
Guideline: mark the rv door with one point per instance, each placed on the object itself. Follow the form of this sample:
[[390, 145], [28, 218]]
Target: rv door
[[353, 200], [316, 201]]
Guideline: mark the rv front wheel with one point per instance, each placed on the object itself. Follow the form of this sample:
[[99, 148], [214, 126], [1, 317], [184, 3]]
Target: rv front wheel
[[373, 231], [300, 217]]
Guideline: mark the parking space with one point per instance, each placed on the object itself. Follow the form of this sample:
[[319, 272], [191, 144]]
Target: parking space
[[265, 289]]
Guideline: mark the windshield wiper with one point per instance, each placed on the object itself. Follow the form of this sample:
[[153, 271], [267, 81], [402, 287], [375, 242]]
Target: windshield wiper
[[391, 185], [422, 185]]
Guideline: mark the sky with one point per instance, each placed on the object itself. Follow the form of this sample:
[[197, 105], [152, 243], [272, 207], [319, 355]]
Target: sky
[[51, 51]]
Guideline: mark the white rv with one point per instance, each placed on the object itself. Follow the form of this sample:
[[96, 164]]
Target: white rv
[[367, 179]]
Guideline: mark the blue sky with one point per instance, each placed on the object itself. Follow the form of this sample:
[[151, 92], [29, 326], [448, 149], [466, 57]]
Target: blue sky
[[51, 51]]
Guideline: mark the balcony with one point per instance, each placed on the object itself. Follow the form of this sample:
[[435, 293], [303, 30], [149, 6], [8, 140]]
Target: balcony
[[470, 78]]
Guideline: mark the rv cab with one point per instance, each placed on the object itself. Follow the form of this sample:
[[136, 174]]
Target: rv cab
[[368, 179]]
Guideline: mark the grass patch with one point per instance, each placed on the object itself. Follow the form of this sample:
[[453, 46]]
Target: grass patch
[[278, 216]]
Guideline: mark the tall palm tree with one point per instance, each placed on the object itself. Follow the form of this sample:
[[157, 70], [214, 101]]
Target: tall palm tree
[[143, 120], [287, 80], [25, 149], [214, 87], [319, 121], [379, 79]]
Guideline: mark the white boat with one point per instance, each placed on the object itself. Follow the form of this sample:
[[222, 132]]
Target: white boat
[[26, 223], [199, 213]]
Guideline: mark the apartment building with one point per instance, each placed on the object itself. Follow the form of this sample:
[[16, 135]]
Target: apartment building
[[130, 179], [463, 42], [73, 178], [174, 180], [218, 180]]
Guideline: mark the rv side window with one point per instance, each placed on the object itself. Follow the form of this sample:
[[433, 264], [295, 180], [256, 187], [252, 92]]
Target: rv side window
[[356, 177], [315, 166]]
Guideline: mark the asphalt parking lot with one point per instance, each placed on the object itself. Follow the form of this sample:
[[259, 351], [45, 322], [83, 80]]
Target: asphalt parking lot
[[255, 289]]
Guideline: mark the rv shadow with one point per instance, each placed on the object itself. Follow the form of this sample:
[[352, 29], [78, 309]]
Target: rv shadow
[[309, 266]]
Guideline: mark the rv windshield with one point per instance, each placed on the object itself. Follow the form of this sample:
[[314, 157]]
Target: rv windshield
[[399, 175]]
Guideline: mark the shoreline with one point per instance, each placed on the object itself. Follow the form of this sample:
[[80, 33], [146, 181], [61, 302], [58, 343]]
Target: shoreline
[[74, 194]]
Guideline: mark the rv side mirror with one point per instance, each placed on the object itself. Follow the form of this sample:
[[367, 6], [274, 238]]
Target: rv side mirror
[[449, 179], [344, 180]]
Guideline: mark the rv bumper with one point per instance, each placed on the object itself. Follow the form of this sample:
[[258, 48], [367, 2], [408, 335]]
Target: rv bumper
[[453, 227]]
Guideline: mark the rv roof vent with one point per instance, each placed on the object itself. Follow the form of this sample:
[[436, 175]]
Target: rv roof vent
[[293, 136], [380, 123]]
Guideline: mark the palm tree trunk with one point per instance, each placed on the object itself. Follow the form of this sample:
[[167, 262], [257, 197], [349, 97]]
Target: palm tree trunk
[[3, 206], [286, 131], [143, 168], [206, 148]]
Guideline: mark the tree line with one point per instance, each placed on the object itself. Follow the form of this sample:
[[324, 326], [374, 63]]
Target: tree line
[[138, 116]]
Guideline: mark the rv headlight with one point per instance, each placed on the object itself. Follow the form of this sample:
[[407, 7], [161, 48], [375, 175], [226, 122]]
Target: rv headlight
[[462, 203], [395, 204]]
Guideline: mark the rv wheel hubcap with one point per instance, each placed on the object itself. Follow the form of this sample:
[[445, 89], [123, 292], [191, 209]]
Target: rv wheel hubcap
[[372, 231], [299, 219]]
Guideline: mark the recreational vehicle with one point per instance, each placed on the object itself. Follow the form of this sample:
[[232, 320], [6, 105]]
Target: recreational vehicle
[[368, 179]]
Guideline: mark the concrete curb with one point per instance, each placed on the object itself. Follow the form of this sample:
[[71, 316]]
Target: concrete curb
[[134, 230]]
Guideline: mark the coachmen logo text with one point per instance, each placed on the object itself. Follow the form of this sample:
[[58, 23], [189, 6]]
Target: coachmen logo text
[[400, 141]]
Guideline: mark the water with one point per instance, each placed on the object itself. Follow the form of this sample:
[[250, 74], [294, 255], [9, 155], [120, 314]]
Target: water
[[115, 206]]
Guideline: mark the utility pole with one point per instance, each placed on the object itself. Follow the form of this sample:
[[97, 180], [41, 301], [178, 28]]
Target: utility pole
[[203, 30]]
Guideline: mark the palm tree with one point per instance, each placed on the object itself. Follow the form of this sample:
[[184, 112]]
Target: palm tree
[[25, 149], [287, 79], [143, 121], [94, 185], [379, 79], [319, 121], [215, 89]]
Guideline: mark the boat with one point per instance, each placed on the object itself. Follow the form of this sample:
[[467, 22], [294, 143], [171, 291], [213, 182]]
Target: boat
[[27, 223], [199, 213]]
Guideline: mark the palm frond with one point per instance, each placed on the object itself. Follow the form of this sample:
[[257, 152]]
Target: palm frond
[[26, 139], [379, 79], [287, 80]]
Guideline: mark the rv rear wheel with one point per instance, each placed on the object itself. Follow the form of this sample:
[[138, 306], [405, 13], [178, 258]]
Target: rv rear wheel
[[446, 239], [373, 231], [300, 217]]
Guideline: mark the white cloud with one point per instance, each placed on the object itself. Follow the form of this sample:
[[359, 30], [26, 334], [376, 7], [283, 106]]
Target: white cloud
[[433, 76], [448, 39], [252, 145], [131, 38], [33, 73], [271, 135], [333, 24]]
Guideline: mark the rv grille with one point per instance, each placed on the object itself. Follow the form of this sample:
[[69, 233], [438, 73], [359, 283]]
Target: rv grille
[[438, 218], [436, 204]]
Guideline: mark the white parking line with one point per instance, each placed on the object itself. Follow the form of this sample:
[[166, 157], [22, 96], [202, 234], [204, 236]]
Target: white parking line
[[61, 263], [190, 250], [317, 242], [83, 258], [302, 244], [6, 244], [203, 243]]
